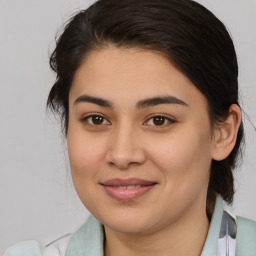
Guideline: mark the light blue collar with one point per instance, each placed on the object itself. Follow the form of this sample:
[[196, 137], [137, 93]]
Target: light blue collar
[[89, 239], [211, 243]]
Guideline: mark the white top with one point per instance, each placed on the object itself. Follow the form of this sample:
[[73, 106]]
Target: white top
[[55, 248], [225, 232]]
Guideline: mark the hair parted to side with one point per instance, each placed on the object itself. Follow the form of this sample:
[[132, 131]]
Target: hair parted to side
[[188, 34]]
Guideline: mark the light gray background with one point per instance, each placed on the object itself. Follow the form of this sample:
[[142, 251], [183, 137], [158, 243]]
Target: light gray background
[[37, 200]]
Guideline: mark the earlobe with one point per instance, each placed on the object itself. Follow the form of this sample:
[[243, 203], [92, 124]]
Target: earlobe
[[225, 134]]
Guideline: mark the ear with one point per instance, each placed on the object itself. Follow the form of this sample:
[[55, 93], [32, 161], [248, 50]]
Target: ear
[[225, 134]]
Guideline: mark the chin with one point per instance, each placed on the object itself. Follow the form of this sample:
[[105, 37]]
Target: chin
[[132, 228], [129, 222]]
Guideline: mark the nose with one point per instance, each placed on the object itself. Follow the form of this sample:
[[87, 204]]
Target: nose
[[125, 149]]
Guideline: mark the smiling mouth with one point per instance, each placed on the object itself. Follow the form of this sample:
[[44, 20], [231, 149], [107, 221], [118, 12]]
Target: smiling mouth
[[127, 190], [129, 187]]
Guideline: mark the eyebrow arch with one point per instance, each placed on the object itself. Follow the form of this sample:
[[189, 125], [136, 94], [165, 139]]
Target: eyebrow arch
[[97, 101], [160, 100], [149, 102]]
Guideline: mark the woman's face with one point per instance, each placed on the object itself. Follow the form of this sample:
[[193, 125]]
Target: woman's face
[[139, 141]]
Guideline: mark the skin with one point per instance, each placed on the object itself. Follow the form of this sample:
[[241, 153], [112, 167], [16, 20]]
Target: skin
[[127, 142]]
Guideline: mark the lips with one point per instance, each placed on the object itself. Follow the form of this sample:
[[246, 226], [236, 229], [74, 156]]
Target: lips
[[127, 189]]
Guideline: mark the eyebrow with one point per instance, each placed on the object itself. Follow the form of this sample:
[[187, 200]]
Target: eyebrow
[[149, 102], [98, 101], [160, 100]]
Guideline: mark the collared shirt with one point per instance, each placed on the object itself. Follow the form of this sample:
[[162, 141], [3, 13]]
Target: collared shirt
[[225, 237]]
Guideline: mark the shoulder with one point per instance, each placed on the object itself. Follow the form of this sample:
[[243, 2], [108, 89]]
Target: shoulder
[[89, 237], [25, 248], [34, 248], [246, 236], [57, 247]]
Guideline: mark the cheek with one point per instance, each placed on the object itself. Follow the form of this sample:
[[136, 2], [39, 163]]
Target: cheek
[[84, 153], [85, 158], [183, 156]]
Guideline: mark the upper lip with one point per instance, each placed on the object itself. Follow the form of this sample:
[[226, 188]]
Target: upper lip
[[127, 182]]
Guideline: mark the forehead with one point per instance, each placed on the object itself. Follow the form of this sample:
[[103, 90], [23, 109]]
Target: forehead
[[120, 74]]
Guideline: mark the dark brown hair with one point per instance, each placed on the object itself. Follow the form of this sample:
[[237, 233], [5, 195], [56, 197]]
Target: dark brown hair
[[188, 34]]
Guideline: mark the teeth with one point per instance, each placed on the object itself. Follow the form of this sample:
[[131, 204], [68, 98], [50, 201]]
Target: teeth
[[129, 187]]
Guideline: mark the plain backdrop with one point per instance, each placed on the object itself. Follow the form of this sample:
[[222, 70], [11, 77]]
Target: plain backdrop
[[37, 199]]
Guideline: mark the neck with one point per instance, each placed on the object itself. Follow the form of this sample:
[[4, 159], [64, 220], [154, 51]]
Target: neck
[[184, 237]]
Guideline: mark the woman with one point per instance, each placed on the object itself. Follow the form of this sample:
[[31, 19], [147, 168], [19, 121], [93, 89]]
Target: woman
[[148, 95]]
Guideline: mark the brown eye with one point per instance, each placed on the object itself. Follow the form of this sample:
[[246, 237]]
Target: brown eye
[[96, 120], [159, 121]]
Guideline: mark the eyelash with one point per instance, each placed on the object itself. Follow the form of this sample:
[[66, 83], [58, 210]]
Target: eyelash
[[86, 118], [167, 120]]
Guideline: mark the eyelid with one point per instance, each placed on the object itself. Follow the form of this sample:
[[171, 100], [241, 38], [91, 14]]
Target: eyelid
[[170, 120], [85, 118], [167, 118]]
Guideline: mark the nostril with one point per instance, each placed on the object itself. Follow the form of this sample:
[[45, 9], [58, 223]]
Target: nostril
[[123, 154]]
